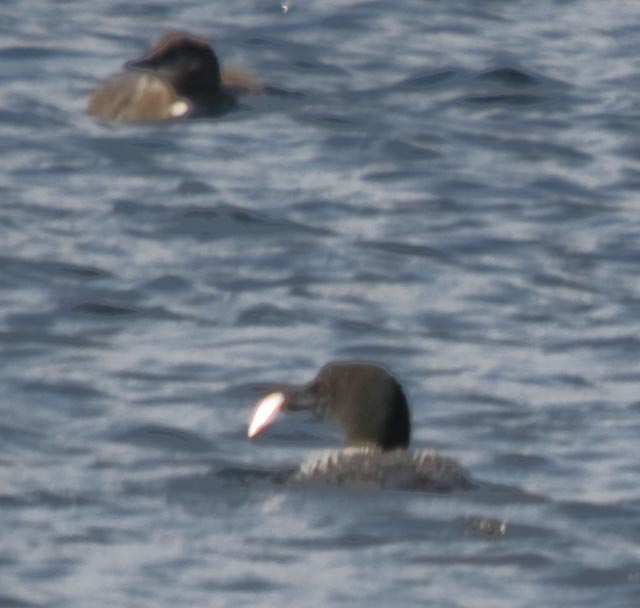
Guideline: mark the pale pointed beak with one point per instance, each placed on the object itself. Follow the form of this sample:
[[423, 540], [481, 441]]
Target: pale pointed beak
[[265, 412], [288, 397]]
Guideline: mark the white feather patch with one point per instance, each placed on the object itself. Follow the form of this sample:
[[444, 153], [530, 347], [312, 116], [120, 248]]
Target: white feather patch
[[265, 412]]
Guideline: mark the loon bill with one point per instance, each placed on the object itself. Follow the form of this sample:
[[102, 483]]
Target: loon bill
[[266, 410]]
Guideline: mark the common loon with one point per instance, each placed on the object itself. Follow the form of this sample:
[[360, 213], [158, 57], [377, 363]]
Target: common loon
[[370, 406]]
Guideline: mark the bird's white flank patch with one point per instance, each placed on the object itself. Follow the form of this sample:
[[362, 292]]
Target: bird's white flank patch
[[179, 108]]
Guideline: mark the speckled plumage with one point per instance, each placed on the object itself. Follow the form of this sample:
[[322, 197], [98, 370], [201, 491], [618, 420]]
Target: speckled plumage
[[369, 466]]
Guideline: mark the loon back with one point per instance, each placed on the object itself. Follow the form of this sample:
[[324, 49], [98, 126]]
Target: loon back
[[370, 467]]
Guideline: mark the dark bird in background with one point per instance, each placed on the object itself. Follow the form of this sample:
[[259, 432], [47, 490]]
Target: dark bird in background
[[180, 77]]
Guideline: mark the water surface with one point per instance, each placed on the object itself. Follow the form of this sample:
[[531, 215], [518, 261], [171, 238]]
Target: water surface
[[450, 190]]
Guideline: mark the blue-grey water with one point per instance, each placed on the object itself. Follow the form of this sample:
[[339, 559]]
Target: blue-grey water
[[450, 189]]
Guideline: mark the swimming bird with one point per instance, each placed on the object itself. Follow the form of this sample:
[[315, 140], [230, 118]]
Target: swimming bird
[[371, 407], [180, 77]]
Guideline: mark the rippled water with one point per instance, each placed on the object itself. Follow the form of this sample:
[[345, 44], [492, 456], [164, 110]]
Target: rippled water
[[451, 190]]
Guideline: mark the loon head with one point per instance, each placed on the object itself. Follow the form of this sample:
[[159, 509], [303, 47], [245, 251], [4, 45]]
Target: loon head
[[366, 401]]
